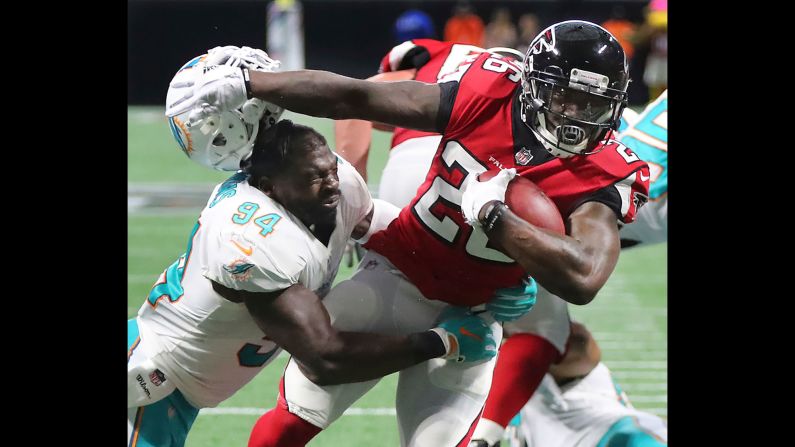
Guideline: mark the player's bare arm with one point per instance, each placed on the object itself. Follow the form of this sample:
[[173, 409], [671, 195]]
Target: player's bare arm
[[410, 104], [573, 267], [352, 137], [380, 216], [363, 226], [582, 355], [352, 142], [296, 320]]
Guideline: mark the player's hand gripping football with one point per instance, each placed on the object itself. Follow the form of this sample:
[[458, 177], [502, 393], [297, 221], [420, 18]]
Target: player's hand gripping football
[[477, 194], [511, 303], [466, 337]]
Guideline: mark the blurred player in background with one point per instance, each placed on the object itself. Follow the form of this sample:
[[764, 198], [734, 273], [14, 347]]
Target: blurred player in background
[[579, 404], [263, 253], [552, 121], [647, 135], [352, 137], [285, 39], [500, 32], [652, 35], [465, 26], [413, 24]]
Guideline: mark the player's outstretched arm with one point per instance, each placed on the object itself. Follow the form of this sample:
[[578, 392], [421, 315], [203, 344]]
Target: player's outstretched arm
[[219, 88], [296, 320], [410, 104], [573, 267], [352, 137]]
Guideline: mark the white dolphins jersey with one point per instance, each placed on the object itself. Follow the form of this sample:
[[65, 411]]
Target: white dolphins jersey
[[580, 413], [647, 135], [208, 346]]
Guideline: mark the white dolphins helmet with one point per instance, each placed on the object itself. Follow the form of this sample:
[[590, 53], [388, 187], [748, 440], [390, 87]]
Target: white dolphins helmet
[[221, 141]]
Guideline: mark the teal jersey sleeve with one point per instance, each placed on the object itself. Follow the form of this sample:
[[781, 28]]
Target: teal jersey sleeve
[[648, 138]]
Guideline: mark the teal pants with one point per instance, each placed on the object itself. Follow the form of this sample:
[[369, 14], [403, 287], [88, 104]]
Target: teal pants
[[627, 433]]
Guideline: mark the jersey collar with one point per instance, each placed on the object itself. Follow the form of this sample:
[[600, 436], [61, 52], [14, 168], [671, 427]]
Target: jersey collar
[[527, 150]]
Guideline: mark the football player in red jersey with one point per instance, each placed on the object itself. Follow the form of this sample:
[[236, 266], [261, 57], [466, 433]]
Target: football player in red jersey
[[538, 338], [551, 121]]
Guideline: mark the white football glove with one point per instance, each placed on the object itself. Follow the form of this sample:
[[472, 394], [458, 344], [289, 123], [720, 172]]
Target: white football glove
[[477, 194], [216, 89], [219, 55], [247, 57]]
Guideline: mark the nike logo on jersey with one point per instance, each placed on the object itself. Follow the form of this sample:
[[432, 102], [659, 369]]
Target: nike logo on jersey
[[247, 251], [465, 332], [644, 178]]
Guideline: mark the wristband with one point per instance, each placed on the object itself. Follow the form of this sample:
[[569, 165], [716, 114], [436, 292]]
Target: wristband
[[247, 81], [493, 215], [434, 343]]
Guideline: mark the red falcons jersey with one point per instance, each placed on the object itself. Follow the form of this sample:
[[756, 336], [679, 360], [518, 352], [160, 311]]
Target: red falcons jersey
[[431, 243], [433, 60]]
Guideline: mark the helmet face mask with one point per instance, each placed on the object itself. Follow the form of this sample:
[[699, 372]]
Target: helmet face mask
[[574, 87]]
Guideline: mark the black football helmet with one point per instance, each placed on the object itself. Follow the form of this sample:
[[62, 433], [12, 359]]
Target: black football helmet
[[574, 87]]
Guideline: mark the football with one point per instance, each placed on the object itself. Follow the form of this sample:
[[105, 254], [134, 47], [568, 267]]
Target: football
[[529, 202]]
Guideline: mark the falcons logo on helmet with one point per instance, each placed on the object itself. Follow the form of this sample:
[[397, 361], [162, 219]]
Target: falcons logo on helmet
[[544, 42]]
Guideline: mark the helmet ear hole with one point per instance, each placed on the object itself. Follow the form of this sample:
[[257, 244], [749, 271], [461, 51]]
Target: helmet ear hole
[[219, 140]]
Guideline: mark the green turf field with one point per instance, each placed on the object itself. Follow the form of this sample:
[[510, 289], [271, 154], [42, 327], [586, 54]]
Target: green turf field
[[628, 318]]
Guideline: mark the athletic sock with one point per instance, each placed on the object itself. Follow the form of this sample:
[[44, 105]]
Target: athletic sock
[[522, 362], [280, 428]]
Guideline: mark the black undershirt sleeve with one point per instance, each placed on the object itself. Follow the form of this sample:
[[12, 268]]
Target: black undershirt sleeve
[[609, 196], [449, 90], [414, 58]]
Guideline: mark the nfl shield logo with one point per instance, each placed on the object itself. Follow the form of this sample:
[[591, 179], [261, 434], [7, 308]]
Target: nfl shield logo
[[523, 157], [157, 377]]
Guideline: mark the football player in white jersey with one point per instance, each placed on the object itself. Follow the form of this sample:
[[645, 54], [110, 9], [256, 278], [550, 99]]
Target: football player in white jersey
[[579, 404], [262, 254]]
